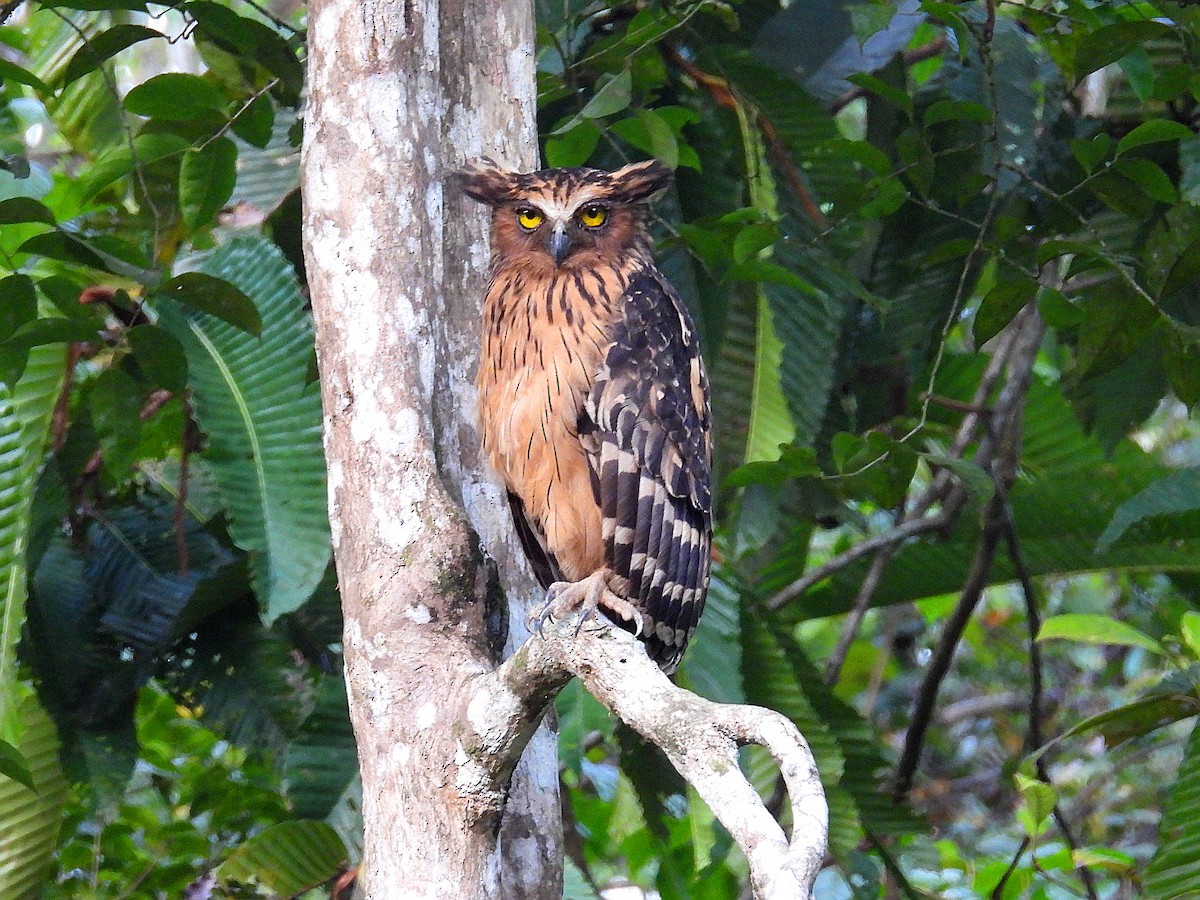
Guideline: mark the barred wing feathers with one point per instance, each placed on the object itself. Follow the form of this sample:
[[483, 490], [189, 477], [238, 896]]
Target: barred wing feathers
[[646, 428]]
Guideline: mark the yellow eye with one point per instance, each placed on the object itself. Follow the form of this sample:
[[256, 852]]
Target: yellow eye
[[529, 219], [593, 216]]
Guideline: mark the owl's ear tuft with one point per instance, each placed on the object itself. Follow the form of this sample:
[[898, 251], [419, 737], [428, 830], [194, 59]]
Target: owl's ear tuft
[[487, 182], [641, 182]]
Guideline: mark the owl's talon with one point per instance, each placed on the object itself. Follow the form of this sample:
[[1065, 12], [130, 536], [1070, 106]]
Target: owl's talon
[[587, 597]]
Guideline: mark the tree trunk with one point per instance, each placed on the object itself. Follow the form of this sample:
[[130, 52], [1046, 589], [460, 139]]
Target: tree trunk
[[401, 94]]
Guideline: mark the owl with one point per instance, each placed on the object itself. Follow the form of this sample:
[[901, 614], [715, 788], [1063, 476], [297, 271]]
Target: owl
[[593, 399]]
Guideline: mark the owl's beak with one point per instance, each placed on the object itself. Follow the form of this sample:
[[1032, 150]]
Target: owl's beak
[[560, 244]]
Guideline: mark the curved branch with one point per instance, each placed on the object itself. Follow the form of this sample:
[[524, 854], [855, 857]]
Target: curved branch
[[698, 736]]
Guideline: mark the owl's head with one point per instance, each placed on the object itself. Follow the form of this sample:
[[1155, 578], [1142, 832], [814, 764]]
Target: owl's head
[[566, 217]]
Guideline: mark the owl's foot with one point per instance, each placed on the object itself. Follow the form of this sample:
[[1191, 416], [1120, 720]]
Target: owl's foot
[[588, 595]]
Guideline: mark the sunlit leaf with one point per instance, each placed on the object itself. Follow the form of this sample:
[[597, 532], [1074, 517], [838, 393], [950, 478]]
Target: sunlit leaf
[[287, 858], [1092, 628]]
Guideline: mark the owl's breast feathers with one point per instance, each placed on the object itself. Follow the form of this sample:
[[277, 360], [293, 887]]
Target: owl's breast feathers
[[594, 406]]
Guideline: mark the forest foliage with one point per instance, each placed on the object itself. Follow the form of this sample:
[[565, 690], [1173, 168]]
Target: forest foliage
[[945, 261]]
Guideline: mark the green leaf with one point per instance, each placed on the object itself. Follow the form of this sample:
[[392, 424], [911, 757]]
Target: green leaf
[[287, 858], [175, 96], [10, 71], [18, 304], [206, 180], [573, 147], [322, 758], [30, 819], [1109, 43], [1149, 176], [1189, 631], [955, 111], [24, 429], [120, 161], [255, 123], [159, 356], [1175, 869], [1174, 493], [214, 296], [1038, 799], [611, 97], [14, 766], [116, 404], [1091, 153], [1056, 310], [24, 209], [104, 46], [1091, 628], [1138, 718], [894, 95], [1153, 132], [1002, 302], [263, 422]]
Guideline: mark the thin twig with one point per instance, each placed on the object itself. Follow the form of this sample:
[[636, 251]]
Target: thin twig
[[897, 535], [909, 57], [862, 602]]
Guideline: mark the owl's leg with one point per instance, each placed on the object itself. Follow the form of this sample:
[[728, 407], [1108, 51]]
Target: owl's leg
[[589, 595]]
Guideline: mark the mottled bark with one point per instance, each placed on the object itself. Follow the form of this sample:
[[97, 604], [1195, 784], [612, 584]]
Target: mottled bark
[[400, 95]]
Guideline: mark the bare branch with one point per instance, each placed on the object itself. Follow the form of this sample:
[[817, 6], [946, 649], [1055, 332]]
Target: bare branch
[[1001, 446], [698, 736], [1034, 737]]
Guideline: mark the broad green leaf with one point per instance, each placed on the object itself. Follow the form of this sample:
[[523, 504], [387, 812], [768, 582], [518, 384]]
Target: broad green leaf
[[1189, 631], [1002, 302], [322, 758], [1067, 496], [1175, 869], [159, 356], [175, 96], [251, 39], [120, 161], [1056, 310], [1092, 628], [1038, 799], [1152, 132], [956, 110], [1153, 181], [207, 177], [25, 411], [573, 147], [18, 304], [770, 425], [1109, 43], [1091, 153], [10, 71], [24, 209], [612, 96], [14, 766], [263, 422], [255, 123], [104, 46], [215, 296], [877, 86], [1175, 493], [287, 858], [30, 819]]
